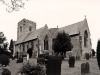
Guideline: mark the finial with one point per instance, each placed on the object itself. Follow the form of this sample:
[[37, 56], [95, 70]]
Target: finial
[[57, 26], [45, 24], [85, 16]]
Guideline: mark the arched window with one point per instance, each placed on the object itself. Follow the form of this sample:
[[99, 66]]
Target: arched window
[[20, 28], [85, 38], [30, 28], [23, 47], [32, 45], [46, 43]]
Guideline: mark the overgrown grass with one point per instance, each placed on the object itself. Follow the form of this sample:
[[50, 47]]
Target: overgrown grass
[[65, 70]]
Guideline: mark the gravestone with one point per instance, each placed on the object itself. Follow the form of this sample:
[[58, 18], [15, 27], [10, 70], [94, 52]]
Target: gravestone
[[54, 65], [27, 56], [85, 68], [71, 61]]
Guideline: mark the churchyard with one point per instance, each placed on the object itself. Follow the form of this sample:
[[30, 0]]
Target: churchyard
[[65, 70]]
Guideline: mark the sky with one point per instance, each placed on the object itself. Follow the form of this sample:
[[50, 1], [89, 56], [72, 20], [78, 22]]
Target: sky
[[52, 13]]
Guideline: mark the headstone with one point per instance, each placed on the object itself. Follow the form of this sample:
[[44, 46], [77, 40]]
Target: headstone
[[53, 65], [27, 56], [85, 68], [71, 61]]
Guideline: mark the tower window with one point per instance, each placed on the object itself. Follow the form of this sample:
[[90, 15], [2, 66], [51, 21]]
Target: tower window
[[20, 28], [30, 28]]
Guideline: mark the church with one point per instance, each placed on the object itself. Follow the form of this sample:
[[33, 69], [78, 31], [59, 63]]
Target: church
[[41, 40]]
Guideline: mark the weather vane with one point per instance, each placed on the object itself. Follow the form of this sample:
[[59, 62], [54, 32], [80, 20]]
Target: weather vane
[[15, 5]]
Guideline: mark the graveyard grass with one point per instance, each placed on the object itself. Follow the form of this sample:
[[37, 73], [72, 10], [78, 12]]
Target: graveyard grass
[[65, 70]]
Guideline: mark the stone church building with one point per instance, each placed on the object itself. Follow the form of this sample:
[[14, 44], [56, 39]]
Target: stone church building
[[41, 40]]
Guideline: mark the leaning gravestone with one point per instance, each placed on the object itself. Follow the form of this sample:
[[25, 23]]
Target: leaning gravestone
[[85, 68]]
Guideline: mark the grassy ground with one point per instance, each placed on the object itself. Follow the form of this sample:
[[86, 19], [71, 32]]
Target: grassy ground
[[77, 69], [65, 70]]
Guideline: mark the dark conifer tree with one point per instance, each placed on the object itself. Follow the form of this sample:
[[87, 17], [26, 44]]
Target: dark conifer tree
[[98, 53], [11, 46], [62, 43]]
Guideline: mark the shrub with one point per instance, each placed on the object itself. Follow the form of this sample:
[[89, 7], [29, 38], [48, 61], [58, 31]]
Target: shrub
[[4, 59], [1, 50], [71, 61], [41, 55], [87, 56], [28, 69], [6, 72], [20, 60], [8, 54], [40, 60], [15, 57]]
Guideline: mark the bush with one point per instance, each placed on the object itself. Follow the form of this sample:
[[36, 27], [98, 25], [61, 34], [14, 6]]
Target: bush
[[71, 61], [4, 59], [1, 50], [87, 56], [41, 55], [20, 60], [41, 60], [8, 54], [6, 72], [15, 57], [28, 69]]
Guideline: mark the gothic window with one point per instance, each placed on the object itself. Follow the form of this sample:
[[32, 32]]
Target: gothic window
[[53, 42], [32, 45], [30, 28], [46, 43], [27, 47], [85, 38], [24, 26], [20, 28]]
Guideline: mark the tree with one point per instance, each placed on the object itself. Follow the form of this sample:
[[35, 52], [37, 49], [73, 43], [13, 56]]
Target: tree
[[4, 59], [11, 46], [2, 42], [2, 38], [93, 52], [62, 43], [98, 53]]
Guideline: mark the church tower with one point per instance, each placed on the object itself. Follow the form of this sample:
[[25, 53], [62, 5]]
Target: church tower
[[25, 26]]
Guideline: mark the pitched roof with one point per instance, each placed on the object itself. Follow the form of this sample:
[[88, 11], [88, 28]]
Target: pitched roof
[[21, 38], [33, 35], [30, 36], [73, 28], [53, 31]]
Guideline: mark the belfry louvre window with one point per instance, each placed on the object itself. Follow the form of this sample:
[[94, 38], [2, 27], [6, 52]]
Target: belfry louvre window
[[30, 28], [20, 28], [46, 43]]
